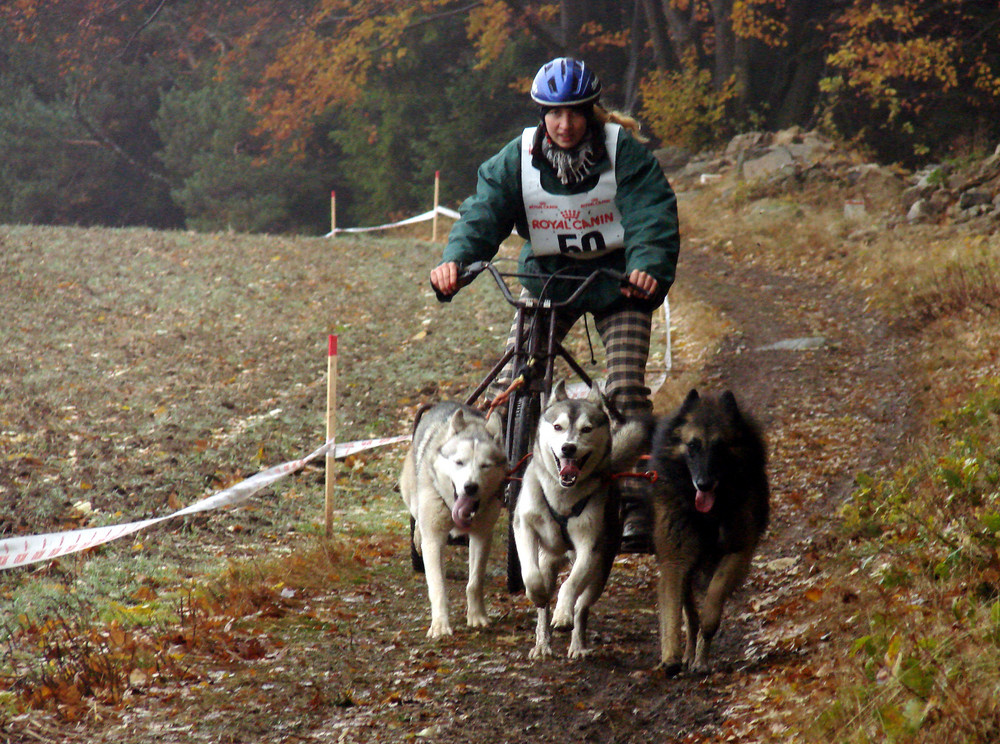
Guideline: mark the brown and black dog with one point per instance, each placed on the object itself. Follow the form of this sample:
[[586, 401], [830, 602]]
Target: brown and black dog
[[710, 505]]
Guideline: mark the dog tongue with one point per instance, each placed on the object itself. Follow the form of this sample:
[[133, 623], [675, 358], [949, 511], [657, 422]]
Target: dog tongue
[[463, 512], [569, 469], [703, 501]]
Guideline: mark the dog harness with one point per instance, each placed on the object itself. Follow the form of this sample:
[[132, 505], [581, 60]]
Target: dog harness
[[562, 521], [582, 225]]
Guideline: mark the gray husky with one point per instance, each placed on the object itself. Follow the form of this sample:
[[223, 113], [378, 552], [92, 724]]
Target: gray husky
[[452, 481], [568, 506], [710, 507]]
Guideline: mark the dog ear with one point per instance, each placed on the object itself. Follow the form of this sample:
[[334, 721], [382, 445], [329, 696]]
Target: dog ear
[[457, 421], [558, 392], [689, 401], [610, 406], [729, 405], [494, 425]]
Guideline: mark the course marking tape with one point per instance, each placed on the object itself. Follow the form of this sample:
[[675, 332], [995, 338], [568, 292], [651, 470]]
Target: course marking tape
[[24, 550], [408, 221]]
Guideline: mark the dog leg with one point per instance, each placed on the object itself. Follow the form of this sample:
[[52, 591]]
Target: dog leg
[[583, 575], [669, 593], [436, 590], [538, 583], [732, 569], [479, 550], [578, 639], [543, 636], [693, 622]]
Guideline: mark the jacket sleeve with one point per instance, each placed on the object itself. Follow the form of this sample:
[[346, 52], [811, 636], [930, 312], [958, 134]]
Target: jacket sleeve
[[649, 214], [489, 215]]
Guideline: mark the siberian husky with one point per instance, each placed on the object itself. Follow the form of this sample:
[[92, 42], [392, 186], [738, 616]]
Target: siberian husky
[[568, 510], [451, 481]]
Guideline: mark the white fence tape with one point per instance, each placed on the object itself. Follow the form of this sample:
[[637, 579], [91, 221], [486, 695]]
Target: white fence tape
[[21, 551], [408, 221]]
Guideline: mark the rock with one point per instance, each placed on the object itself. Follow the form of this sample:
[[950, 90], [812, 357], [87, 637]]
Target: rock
[[672, 158], [788, 136], [970, 199], [748, 143], [767, 165]]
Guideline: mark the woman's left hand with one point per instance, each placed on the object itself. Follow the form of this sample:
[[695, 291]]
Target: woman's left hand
[[643, 280]]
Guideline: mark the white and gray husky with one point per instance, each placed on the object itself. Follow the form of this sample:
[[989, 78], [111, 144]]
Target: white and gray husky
[[452, 482], [568, 509]]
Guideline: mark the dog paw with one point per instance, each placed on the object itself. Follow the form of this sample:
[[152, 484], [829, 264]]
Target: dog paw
[[477, 620], [540, 651], [438, 629], [669, 668], [561, 619], [701, 668], [577, 651]]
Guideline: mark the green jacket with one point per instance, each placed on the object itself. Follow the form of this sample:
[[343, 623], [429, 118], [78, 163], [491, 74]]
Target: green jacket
[[645, 200]]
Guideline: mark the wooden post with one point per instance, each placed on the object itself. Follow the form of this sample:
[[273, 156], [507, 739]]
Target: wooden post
[[333, 211], [331, 428], [434, 220]]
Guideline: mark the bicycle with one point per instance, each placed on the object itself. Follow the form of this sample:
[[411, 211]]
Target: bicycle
[[534, 352]]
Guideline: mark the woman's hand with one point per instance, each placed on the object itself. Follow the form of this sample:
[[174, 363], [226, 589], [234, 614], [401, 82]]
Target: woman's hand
[[444, 278], [641, 279]]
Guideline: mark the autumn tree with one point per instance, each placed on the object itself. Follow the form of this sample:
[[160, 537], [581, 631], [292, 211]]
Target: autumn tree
[[912, 77], [758, 60], [89, 76]]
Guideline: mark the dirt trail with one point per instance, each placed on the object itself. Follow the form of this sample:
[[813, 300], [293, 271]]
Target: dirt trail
[[829, 410]]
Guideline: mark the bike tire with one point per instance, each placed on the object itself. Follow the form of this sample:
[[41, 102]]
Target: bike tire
[[526, 408]]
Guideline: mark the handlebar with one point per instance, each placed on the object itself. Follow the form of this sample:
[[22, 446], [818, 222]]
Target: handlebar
[[466, 274]]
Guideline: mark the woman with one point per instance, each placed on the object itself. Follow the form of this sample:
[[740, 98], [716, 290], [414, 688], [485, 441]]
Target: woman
[[582, 192]]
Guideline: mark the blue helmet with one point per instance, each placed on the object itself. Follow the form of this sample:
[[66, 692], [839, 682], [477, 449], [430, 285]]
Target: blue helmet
[[565, 82]]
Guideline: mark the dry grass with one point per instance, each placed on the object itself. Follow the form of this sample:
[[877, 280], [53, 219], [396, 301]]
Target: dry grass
[[913, 608]]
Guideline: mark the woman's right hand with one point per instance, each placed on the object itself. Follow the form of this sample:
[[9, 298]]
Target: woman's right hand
[[444, 278]]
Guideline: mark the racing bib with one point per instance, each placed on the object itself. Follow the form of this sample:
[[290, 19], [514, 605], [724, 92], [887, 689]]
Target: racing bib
[[579, 225]]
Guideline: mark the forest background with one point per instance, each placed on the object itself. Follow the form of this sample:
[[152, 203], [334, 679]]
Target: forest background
[[245, 115]]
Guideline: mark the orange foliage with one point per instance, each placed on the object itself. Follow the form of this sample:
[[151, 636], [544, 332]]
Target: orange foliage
[[330, 59], [903, 55], [762, 20]]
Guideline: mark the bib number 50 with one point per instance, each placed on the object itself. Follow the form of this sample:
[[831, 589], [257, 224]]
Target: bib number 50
[[591, 241]]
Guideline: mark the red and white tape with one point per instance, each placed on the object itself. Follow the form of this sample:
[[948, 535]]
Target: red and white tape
[[21, 551]]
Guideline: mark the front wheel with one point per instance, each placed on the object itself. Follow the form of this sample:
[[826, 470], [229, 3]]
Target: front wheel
[[524, 420]]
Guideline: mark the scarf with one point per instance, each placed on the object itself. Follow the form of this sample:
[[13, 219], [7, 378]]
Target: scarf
[[571, 166]]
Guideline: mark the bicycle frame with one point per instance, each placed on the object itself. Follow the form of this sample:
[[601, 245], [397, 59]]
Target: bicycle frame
[[537, 365], [534, 353]]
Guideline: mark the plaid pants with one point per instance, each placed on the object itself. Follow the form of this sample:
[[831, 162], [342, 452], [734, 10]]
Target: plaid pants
[[625, 332]]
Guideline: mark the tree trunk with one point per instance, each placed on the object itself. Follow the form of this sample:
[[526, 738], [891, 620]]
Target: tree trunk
[[683, 33], [659, 35], [573, 14], [631, 91]]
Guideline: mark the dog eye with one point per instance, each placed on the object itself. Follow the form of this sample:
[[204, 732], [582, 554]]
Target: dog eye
[[557, 427], [694, 445], [460, 463], [586, 429]]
